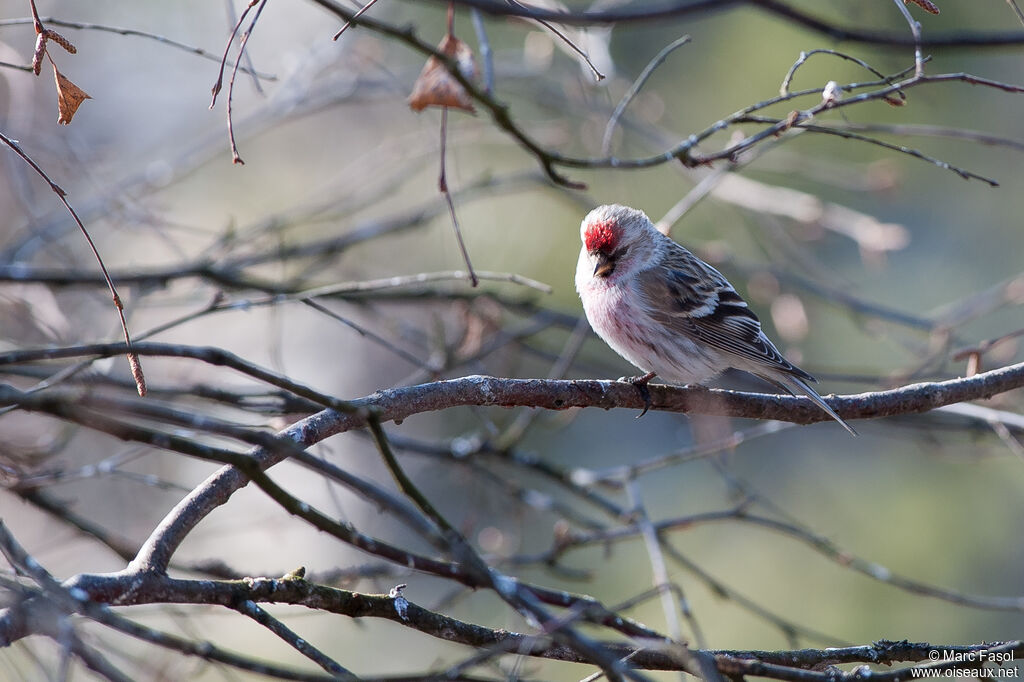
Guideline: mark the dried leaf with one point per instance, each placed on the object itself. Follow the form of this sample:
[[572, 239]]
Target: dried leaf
[[37, 56], [926, 5], [60, 40], [897, 99], [69, 97], [435, 87]]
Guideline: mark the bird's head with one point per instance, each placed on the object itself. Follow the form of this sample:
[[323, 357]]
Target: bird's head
[[618, 239]]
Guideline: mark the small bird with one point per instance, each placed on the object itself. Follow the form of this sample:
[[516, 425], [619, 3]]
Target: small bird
[[670, 313]]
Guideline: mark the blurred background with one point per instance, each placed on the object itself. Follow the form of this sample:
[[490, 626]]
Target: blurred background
[[869, 267]]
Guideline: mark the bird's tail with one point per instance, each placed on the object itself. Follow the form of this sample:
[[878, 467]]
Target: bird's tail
[[818, 400]]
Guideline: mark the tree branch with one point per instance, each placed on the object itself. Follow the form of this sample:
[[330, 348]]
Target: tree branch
[[679, 9]]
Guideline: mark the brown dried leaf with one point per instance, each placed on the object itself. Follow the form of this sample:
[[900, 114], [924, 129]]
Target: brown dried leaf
[[435, 87], [37, 56], [926, 5], [897, 99], [60, 40], [69, 97]]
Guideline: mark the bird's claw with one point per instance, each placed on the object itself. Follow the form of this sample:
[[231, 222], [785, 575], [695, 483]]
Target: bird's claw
[[640, 382]]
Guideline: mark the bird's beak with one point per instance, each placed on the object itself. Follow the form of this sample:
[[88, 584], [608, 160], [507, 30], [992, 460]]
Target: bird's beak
[[604, 265]]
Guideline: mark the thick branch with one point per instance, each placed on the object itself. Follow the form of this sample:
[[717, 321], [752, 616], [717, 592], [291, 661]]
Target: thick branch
[[129, 588], [399, 403]]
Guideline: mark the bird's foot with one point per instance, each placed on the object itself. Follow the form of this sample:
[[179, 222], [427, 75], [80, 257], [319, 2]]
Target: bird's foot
[[640, 382]]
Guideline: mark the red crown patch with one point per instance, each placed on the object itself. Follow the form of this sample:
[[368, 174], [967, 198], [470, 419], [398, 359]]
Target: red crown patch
[[600, 236]]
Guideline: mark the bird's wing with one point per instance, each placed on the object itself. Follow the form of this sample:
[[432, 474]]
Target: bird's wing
[[692, 298]]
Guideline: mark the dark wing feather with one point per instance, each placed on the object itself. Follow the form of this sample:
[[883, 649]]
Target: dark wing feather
[[692, 298]]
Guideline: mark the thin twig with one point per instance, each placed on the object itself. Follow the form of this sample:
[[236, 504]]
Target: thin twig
[[804, 56], [355, 16], [442, 184], [659, 572], [565, 39], [1016, 10], [486, 53], [227, 47], [86, 26], [246, 57], [235, 157], [847, 134], [658, 60], [915, 30], [133, 358], [252, 610]]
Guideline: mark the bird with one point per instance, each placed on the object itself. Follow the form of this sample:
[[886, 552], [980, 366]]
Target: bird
[[669, 313]]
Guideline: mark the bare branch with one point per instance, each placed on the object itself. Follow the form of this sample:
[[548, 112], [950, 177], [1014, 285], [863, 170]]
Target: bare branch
[[119, 30]]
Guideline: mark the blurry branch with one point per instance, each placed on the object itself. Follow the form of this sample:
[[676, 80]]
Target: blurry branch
[[1016, 10], [886, 89], [824, 546], [662, 585], [208, 354], [1003, 423], [976, 351], [915, 31], [955, 313], [850, 135], [871, 236], [228, 271], [418, 284], [515, 594], [86, 26], [618, 475], [923, 130], [573, 47], [566, 480], [791, 630], [486, 52], [620, 108], [683, 8], [419, 279], [442, 180]]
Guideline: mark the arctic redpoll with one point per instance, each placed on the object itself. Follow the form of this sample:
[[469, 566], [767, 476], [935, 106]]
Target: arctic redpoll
[[670, 313]]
